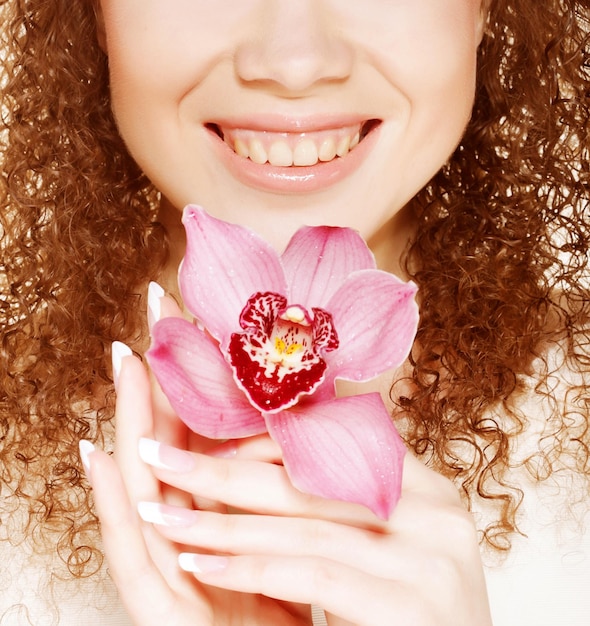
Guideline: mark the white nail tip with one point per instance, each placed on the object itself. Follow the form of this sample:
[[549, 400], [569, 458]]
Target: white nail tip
[[187, 563], [149, 452], [86, 449], [118, 352], [201, 564], [155, 293], [151, 512]]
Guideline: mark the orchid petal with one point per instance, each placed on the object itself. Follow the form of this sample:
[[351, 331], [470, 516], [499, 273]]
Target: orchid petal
[[375, 316], [347, 449], [224, 265], [318, 260], [199, 383]]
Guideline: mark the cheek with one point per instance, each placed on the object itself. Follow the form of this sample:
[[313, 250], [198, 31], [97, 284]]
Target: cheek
[[433, 62], [155, 40], [150, 62], [134, 60], [159, 53], [428, 46]]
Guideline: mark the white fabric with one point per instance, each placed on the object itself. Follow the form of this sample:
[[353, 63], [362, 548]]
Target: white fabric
[[546, 579]]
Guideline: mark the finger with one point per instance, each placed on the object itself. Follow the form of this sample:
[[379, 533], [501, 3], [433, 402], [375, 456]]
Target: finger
[[133, 420], [144, 592], [405, 552], [266, 488], [263, 488], [376, 553], [257, 448], [343, 591], [167, 427], [160, 305]]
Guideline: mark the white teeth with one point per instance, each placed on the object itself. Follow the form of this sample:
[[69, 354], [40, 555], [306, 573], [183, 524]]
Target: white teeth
[[286, 150], [343, 147], [257, 152], [241, 148], [306, 153], [327, 150], [280, 154]]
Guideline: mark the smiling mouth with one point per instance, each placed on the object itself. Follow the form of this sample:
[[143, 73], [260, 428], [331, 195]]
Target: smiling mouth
[[301, 149]]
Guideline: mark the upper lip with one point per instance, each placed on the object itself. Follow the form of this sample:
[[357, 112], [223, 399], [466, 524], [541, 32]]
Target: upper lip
[[283, 124], [296, 129]]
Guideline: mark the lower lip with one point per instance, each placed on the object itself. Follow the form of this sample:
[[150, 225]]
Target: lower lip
[[294, 179]]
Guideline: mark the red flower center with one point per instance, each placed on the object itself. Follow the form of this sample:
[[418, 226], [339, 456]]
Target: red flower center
[[278, 357]]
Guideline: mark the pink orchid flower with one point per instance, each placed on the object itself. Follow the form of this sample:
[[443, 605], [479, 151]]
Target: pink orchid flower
[[273, 334]]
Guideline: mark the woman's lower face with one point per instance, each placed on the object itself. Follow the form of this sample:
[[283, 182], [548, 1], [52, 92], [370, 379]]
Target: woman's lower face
[[275, 114]]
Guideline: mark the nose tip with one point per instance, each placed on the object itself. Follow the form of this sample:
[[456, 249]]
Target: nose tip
[[295, 70], [295, 50]]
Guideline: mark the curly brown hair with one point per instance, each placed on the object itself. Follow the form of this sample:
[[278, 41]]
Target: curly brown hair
[[501, 259], [78, 243], [500, 256]]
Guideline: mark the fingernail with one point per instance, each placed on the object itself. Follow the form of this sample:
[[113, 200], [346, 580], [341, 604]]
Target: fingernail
[[165, 515], [86, 449], [165, 457], [202, 563], [155, 294], [118, 352]]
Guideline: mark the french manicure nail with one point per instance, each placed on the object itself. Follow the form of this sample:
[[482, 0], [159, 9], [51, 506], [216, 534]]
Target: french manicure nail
[[165, 515], [155, 294], [165, 457], [202, 563], [86, 449], [118, 352]]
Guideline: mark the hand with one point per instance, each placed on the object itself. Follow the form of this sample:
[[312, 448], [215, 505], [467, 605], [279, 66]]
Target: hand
[[143, 563], [422, 567]]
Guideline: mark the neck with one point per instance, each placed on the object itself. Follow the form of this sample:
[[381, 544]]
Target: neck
[[390, 242], [169, 217], [387, 244]]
